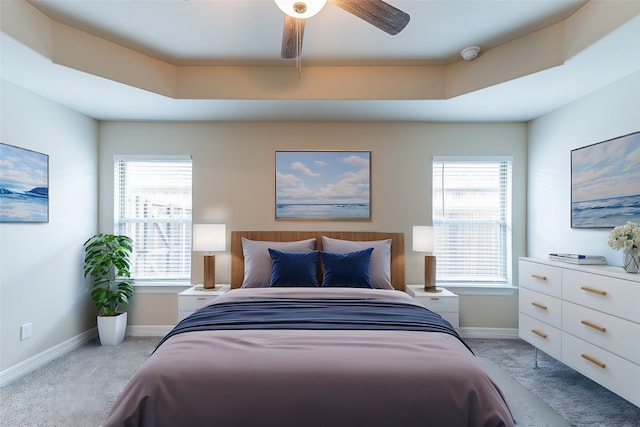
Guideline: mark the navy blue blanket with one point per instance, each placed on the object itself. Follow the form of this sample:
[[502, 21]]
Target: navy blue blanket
[[313, 313]]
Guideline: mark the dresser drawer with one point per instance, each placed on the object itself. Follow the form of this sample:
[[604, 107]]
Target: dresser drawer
[[613, 372], [541, 278], [603, 293], [540, 306], [193, 302], [541, 335], [612, 333]]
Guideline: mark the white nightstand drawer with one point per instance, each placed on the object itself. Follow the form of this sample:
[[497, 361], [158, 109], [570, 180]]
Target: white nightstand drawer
[[541, 335], [193, 302], [540, 306], [617, 335], [613, 372], [439, 304], [541, 278]]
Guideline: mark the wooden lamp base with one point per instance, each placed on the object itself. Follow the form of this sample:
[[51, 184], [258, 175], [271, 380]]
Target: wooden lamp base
[[430, 274], [209, 272]]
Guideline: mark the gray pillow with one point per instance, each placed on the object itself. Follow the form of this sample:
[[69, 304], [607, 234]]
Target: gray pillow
[[380, 267], [257, 261]]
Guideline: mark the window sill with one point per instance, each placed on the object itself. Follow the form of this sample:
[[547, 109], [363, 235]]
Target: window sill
[[161, 287], [481, 290]]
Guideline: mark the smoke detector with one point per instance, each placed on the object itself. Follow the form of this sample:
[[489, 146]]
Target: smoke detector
[[470, 53]]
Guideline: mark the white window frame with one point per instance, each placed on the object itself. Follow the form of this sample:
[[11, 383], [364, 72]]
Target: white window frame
[[180, 272], [504, 223]]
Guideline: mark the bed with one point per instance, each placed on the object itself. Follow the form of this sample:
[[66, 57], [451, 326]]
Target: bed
[[291, 353]]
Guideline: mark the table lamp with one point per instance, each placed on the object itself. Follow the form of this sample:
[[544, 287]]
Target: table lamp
[[209, 238], [423, 242]]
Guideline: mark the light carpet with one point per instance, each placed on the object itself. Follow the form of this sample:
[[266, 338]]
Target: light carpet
[[579, 400]]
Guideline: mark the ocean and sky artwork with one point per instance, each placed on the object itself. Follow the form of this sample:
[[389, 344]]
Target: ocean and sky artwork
[[605, 183], [323, 185], [24, 185]]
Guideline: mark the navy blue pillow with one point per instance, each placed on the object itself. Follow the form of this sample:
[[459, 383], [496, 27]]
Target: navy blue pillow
[[350, 270], [294, 269]]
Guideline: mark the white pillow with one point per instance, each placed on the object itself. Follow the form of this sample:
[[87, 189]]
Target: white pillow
[[380, 267], [257, 261]]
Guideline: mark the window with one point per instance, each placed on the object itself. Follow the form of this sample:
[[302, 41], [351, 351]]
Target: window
[[153, 207], [472, 220]]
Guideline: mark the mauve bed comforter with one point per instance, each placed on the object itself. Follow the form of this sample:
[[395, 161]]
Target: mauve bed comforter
[[308, 378]]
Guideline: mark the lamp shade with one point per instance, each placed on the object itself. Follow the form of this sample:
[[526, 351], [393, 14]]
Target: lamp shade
[[422, 238], [209, 237], [301, 8]]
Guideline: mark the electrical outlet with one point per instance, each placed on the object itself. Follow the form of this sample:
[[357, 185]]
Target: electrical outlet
[[25, 331]]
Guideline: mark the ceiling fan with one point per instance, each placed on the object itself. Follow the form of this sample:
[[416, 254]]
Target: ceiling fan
[[376, 12]]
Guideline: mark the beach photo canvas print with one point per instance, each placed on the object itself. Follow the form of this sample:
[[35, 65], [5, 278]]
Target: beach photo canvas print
[[323, 185], [605, 183], [24, 185]]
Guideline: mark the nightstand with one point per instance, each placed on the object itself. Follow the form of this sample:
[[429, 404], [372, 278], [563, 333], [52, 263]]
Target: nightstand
[[195, 297], [445, 303]]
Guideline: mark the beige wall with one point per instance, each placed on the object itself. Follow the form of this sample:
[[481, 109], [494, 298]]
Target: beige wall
[[151, 309], [233, 183]]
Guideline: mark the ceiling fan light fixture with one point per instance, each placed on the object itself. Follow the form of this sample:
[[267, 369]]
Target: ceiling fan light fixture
[[302, 9]]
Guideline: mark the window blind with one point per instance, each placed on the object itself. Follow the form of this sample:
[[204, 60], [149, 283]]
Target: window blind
[[472, 219], [153, 207]]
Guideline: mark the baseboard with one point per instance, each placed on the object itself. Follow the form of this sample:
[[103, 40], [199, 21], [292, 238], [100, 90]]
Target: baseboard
[[497, 333], [149, 330], [31, 364]]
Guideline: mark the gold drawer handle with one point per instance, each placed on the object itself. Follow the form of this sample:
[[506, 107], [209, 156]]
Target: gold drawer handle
[[539, 276], [539, 333], [201, 298], [593, 325], [593, 360], [592, 290], [540, 306], [435, 299]]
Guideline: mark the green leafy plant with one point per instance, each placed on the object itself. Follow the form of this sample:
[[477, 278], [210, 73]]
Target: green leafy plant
[[106, 261]]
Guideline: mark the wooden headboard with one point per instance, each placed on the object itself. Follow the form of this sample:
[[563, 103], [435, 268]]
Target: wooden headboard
[[397, 248]]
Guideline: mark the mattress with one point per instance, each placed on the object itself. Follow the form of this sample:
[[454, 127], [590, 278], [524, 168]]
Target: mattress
[[402, 373]]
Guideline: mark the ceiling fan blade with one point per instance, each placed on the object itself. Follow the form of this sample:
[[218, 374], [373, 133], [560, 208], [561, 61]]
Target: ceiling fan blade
[[377, 13], [292, 37]]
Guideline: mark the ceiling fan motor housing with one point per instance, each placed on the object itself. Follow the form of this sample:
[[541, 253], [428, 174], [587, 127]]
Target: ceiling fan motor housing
[[299, 7]]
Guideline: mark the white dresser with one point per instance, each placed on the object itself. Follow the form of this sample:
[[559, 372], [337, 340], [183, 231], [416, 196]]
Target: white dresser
[[586, 316]]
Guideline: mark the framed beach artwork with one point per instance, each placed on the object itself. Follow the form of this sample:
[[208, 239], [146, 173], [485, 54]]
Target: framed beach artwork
[[323, 185], [24, 185], [605, 183]]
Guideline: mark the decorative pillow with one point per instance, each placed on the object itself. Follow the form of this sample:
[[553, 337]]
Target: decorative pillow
[[294, 269], [347, 270], [257, 261], [380, 270]]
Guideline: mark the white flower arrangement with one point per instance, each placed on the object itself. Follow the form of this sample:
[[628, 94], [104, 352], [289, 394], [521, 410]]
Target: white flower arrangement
[[625, 236]]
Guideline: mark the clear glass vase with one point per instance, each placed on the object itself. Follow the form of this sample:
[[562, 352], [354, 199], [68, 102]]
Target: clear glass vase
[[631, 260]]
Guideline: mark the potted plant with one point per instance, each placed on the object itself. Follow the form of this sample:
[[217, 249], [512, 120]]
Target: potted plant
[[106, 262]]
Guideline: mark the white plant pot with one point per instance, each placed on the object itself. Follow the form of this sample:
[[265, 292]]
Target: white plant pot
[[111, 329]]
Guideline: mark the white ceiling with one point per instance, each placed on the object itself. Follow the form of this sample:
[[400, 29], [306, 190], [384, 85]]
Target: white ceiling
[[248, 33]]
